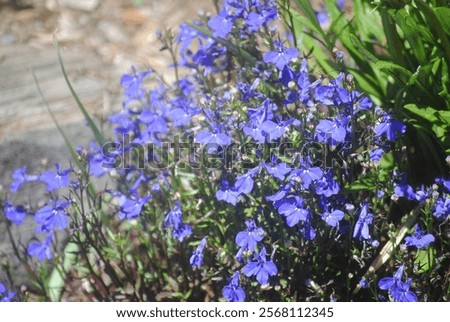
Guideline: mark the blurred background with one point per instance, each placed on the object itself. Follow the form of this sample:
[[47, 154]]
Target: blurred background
[[100, 40]]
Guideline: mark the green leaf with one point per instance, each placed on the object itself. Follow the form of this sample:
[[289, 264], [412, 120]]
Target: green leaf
[[392, 68], [366, 184], [430, 114], [411, 28], [97, 134], [57, 279], [387, 161], [311, 20], [443, 15], [425, 259]]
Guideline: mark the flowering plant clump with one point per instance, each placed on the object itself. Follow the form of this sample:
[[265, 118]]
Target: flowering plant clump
[[250, 177]]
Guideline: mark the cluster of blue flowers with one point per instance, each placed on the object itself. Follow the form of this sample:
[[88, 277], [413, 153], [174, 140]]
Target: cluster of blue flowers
[[50, 217], [333, 134], [5, 295]]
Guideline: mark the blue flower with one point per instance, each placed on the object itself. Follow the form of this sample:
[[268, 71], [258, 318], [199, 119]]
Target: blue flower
[[155, 122], [16, 214], [401, 292], [390, 128], [99, 164], [333, 218], [132, 84], [277, 170], [376, 154], [397, 289], [332, 132], [244, 183], [20, 176], [261, 268], [41, 250], [327, 186], [181, 232], [174, 219], [213, 137], [227, 193], [444, 183], [265, 14], [233, 292], [389, 282], [405, 190], [306, 176], [274, 131], [196, 259], [131, 208], [365, 219], [307, 230], [221, 25], [281, 57], [441, 209], [248, 239], [419, 239], [182, 111], [56, 180], [294, 211], [52, 216], [6, 296], [254, 130]]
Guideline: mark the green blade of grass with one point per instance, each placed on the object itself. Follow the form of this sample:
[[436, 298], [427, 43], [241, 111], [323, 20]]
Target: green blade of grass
[[98, 135], [69, 145]]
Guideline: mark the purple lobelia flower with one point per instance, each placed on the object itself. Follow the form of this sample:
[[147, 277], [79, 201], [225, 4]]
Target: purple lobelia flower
[[405, 190], [5, 295], [390, 128], [327, 186], [249, 238], [441, 209], [261, 268], [293, 209], [306, 176], [277, 170], [307, 230], [281, 56], [41, 250], [16, 214], [233, 292], [332, 132], [397, 289], [216, 136], [132, 84], [244, 183], [55, 180], [131, 207], [196, 259], [173, 217], [274, 131], [365, 219], [332, 218], [174, 220], [227, 193], [52, 216], [222, 24], [20, 176], [419, 239]]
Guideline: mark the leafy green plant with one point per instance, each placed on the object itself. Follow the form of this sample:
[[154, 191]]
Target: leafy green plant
[[399, 53]]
